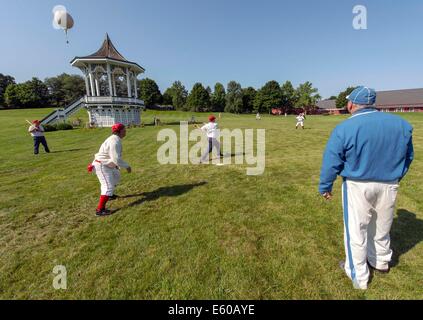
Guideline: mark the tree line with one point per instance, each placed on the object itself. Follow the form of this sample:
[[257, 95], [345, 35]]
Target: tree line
[[62, 90], [233, 98]]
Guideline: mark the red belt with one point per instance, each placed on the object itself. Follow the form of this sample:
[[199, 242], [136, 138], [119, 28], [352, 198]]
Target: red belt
[[97, 161]]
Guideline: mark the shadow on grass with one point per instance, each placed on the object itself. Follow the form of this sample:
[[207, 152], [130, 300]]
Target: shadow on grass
[[172, 191], [70, 150], [174, 123], [407, 232]]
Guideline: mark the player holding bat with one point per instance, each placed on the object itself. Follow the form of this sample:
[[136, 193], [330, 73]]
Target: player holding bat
[[37, 132]]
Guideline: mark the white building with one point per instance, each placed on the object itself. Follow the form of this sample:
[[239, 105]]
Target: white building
[[111, 89]]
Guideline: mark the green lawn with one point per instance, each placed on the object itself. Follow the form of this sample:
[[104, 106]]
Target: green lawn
[[189, 232]]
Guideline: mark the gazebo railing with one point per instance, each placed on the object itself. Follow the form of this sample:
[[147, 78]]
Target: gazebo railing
[[113, 100]]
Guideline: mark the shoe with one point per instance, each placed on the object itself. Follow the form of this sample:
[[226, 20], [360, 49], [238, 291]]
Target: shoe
[[378, 270], [113, 197], [103, 213]]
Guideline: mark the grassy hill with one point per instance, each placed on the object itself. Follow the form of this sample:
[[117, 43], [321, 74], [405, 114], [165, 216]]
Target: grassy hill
[[189, 231]]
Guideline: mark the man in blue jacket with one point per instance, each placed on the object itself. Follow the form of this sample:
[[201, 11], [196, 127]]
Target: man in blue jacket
[[372, 151]]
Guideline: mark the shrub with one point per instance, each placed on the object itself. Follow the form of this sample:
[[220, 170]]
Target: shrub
[[64, 126], [49, 128], [57, 126]]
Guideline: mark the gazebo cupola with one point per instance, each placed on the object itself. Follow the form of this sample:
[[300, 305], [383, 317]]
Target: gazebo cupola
[[111, 85]]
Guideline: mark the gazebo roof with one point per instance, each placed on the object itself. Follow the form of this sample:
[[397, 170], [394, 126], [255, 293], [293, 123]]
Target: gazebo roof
[[106, 52]]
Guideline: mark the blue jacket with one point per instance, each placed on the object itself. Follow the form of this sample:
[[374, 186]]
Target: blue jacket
[[369, 146]]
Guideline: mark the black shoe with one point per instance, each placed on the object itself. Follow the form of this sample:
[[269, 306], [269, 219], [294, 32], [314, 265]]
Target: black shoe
[[103, 213], [113, 197], [378, 270]]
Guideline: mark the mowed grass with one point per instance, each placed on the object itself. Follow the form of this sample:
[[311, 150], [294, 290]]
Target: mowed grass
[[189, 231]]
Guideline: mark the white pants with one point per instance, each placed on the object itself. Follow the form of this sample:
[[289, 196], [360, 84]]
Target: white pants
[[301, 123], [108, 177], [368, 215]]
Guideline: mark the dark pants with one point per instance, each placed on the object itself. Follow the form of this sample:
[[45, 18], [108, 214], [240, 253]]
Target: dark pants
[[37, 141]]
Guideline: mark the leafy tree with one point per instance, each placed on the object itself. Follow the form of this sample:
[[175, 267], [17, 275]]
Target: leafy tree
[[209, 90], [268, 97], [289, 96], [333, 98], [65, 89], [167, 97], [149, 92], [307, 96], [248, 96], [218, 98], [5, 80], [342, 101], [198, 99], [179, 95], [30, 94], [234, 94]]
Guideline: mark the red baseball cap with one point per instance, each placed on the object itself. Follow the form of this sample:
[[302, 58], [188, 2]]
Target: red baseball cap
[[117, 127], [212, 118], [36, 121]]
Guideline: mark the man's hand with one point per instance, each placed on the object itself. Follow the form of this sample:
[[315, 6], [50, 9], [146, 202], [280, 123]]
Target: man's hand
[[129, 169], [327, 195]]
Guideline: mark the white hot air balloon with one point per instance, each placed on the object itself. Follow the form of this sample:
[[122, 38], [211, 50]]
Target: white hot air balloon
[[63, 20]]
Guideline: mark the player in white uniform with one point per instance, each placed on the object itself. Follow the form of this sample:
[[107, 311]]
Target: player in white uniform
[[213, 134], [300, 120], [107, 163]]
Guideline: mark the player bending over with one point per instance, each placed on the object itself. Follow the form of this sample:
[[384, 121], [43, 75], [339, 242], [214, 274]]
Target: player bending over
[[107, 163]]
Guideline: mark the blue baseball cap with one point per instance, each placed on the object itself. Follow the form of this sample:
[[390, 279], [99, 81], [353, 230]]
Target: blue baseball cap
[[363, 95]]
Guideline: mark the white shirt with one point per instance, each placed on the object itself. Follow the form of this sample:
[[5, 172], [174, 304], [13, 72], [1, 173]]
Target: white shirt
[[212, 130], [110, 153], [300, 118], [36, 133]]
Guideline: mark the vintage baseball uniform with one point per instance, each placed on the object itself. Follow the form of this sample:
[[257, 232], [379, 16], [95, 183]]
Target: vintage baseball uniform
[[372, 151], [213, 134], [300, 121], [107, 163]]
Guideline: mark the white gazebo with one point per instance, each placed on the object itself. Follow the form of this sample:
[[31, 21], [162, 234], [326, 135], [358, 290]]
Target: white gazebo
[[111, 84]]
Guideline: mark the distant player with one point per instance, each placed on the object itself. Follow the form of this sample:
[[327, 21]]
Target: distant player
[[213, 134], [37, 132], [107, 163], [300, 121], [258, 117]]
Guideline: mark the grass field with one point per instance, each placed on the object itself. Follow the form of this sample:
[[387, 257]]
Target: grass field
[[187, 231]]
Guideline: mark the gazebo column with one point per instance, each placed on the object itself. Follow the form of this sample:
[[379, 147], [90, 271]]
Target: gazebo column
[[114, 85], [128, 83], [87, 86], [135, 87], [91, 82], [109, 77], [97, 87]]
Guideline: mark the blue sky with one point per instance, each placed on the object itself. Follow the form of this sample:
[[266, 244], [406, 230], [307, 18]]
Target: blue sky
[[221, 40]]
